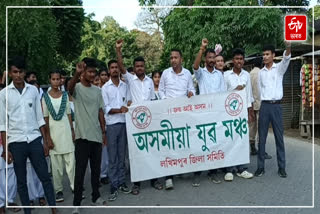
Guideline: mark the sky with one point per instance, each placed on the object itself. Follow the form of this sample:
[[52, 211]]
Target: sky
[[125, 12]]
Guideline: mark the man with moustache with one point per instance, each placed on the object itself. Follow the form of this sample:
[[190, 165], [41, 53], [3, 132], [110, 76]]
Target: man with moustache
[[89, 129], [116, 97], [142, 89], [175, 81], [210, 80]]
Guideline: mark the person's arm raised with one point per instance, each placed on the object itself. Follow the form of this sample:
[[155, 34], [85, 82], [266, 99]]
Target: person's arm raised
[[202, 49], [81, 66], [119, 44]]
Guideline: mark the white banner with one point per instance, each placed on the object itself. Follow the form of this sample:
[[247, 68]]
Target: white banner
[[181, 135]]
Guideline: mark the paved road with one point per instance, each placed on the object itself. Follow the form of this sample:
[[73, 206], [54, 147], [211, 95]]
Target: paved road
[[268, 190]]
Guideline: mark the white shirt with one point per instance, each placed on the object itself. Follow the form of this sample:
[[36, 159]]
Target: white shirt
[[24, 113], [140, 90], [270, 81], [209, 82], [115, 97], [232, 80], [175, 85]]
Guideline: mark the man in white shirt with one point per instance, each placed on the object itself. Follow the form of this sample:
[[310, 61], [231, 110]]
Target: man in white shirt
[[239, 79], [116, 96], [271, 92], [141, 89], [175, 81], [210, 80], [25, 127]]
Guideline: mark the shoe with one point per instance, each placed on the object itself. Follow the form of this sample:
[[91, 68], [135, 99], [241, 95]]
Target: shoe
[[157, 185], [282, 173], [113, 196], [196, 181], [214, 178], [253, 150], [99, 202], [228, 176], [123, 188], [76, 211], [259, 172], [169, 184], [135, 190], [59, 197], [83, 197], [267, 156], [245, 174], [104, 180]]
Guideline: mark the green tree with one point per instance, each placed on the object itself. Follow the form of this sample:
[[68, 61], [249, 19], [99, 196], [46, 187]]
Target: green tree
[[99, 40], [70, 22], [45, 37], [231, 27]]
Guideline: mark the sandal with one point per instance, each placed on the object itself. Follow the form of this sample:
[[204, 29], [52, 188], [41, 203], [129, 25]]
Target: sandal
[[157, 185], [135, 190], [42, 201], [99, 202], [16, 209]]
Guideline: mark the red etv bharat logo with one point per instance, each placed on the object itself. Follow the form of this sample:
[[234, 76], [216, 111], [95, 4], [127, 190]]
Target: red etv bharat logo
[[296, 27], [141, 117], [234, 104]]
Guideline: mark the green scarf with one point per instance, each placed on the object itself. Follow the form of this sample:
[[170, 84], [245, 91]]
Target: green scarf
[[62, 108]]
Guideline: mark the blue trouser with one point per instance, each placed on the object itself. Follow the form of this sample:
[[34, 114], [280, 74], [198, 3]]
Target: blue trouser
[[34, 151], [117, 142], [271, 113]]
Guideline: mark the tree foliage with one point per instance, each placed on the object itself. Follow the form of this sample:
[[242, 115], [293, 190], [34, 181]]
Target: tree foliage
[[47, 38]]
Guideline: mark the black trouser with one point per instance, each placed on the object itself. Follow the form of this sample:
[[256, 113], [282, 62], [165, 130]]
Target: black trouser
[[34, 151], [211, 171], [271, 112], [152, 181], [87, 150]]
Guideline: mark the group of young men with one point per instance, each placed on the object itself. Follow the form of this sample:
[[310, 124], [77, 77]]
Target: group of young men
[[99, 114]]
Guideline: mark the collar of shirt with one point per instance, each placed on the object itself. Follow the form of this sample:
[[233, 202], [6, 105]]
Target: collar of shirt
[[137, 78], [241, 72], [26, 85], [179, 74], [273, 66], [214, 70], [111, 83]]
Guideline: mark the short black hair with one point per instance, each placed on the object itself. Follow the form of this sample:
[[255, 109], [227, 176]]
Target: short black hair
[[176, 50], [237, 51], [17, 61], [90, 62], [156, 72], [269, 47], [219, 55], [29, 73], [2, 86], [138, 59], [257, 62], [112, 61], [210, 50], [63, 72], [104, 69], [54, 72], [130, 69]]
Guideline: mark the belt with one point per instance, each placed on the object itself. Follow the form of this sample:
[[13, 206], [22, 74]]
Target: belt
[[272, 101]]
